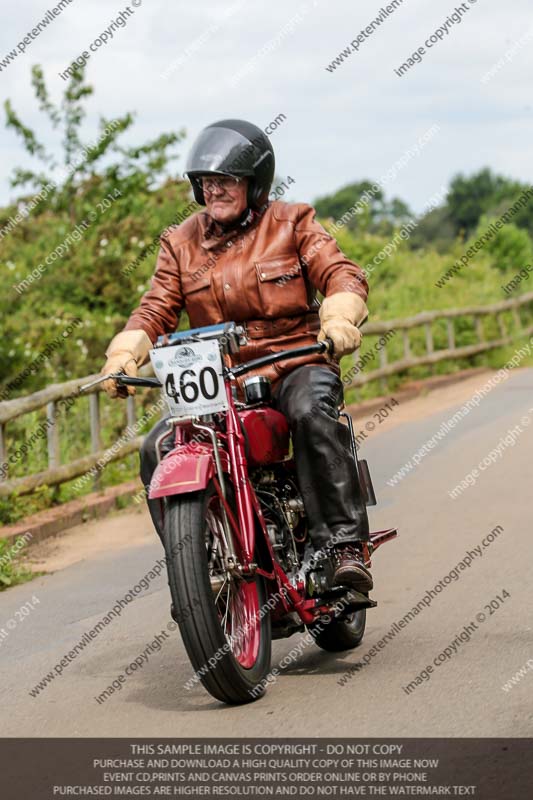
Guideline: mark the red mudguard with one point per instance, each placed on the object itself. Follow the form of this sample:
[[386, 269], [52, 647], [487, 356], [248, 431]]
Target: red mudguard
[[187, 468]]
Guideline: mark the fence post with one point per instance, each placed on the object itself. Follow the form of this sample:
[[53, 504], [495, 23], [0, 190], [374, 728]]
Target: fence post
[[429, 337], [96, 439], [451, 334], [52, 435], [3, 449], [382, 356], [130, 410], [406, 344]]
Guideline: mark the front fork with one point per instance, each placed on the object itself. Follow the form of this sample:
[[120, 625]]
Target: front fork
[[238, 531], [243, 491], [230, 552], [228, 521]]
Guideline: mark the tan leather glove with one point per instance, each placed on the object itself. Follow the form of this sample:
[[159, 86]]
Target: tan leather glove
[[127, 351], [340, 314]]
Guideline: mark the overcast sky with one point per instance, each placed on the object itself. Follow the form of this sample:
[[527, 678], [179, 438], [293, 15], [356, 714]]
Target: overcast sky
[[258, 59]]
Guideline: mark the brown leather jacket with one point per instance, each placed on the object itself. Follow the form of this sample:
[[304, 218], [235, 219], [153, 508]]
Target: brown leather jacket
[[264, 275]]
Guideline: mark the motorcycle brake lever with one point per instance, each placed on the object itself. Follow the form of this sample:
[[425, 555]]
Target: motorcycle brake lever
[[101, 379]]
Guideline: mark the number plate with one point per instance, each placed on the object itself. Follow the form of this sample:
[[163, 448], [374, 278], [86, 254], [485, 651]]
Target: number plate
[[192, 379]]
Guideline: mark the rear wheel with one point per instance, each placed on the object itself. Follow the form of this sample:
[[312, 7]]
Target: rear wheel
[[343, 634], [223, 620]]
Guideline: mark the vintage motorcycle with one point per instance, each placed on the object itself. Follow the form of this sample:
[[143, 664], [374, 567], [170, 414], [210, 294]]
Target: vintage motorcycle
[[241, 567]]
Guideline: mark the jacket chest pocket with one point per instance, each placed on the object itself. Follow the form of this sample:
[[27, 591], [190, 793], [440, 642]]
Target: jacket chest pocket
[[200, 303], [282, 287]]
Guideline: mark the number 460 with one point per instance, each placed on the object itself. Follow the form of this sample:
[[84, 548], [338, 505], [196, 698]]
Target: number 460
[[190, 388]]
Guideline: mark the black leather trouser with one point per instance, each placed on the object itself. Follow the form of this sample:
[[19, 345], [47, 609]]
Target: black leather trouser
[[308, 396], [149, 462]]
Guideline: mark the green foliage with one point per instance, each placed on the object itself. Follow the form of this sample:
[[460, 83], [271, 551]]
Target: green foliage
[[11, 570], [86, 282], [99, 220], [138, 169], [435, 229], [374, 214], [128, 198], [470, 198], [120, 207], [403, 285], [510, 249], [75, 442], [335, 205], [472, 201], [482, 193]]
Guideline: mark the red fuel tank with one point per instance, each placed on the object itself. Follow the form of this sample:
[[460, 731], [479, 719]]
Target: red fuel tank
[[267, 435]]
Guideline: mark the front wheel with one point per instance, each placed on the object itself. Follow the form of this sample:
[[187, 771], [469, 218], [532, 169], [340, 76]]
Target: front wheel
[[223, 619]]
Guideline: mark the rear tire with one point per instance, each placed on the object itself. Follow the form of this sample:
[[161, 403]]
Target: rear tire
[[343, 634], [231, 669]]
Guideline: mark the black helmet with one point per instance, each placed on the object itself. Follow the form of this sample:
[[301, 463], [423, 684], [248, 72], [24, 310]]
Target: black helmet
[[233, 147]]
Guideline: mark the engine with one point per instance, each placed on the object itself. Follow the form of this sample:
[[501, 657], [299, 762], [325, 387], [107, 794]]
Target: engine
[[283, 509]]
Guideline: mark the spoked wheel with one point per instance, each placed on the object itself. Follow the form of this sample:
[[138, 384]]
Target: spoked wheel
[[342, 634], [223, 619], [237, 600]]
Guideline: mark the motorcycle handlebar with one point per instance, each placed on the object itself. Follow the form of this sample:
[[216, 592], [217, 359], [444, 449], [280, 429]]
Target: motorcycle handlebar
[[295, 352], [239, 369]]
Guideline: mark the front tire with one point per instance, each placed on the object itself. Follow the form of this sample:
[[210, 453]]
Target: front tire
[[226, 632]]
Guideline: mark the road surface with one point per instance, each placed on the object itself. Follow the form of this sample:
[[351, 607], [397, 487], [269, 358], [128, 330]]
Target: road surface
[[318, 694]]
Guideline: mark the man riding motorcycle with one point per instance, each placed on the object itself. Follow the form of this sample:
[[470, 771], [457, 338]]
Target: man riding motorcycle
[[260, 264]]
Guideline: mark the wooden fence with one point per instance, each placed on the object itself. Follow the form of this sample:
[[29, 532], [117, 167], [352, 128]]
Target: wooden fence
[[53, 396], [383, 330]]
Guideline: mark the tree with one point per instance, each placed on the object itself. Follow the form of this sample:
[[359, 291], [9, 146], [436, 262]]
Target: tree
[[60, 178], [87, 243], [480, 193], [374, 213], [434, 229]]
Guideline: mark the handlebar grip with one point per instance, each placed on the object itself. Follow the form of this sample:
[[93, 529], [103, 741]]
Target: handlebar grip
[[329, 345], [128, 380]]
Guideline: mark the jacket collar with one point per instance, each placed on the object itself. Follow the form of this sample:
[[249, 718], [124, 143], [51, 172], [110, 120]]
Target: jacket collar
[[215, 235]]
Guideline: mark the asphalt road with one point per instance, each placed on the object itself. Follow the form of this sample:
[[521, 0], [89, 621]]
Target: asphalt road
[[463, 696]]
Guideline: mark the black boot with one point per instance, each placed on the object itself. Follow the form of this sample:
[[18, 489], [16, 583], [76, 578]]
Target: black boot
[[349, 568]]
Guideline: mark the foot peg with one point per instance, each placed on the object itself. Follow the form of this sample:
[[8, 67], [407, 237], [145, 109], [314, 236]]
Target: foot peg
[[354, 601]]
